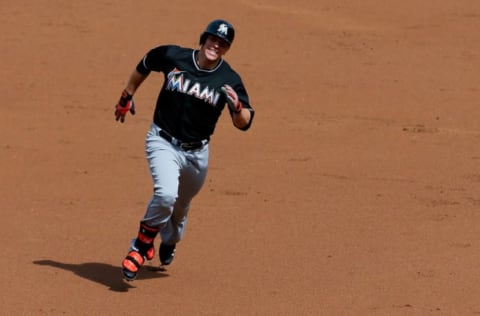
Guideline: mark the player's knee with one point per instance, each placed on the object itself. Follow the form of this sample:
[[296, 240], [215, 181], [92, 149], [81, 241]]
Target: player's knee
[[164, 198]]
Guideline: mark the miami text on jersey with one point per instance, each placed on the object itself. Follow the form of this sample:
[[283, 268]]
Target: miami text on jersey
[[177, 82]]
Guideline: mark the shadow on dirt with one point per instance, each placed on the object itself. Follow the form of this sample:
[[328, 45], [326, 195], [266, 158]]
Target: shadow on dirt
[[102, 273]]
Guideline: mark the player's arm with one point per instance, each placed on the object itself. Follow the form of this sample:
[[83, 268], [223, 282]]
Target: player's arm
[[153, 60], [135, 80], [241, 112], [242, 119], [125, 104]]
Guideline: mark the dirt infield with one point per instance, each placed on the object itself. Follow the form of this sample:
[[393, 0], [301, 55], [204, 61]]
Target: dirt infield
[[356, 192]]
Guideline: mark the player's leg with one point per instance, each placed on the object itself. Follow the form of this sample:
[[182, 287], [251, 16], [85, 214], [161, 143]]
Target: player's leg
[[165, 163], [192, 178], [165, 169]]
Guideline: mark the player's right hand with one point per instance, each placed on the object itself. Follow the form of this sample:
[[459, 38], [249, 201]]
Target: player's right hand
[[124, 105]]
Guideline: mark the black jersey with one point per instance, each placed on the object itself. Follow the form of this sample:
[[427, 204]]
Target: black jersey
[[190, 101]]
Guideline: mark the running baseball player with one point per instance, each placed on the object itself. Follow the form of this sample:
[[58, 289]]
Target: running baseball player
[[197, 85]]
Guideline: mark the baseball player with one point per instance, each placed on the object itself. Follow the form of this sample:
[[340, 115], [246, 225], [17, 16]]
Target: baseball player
[[197, 85]]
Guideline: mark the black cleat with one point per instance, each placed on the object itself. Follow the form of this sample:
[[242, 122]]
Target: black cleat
[[166, 253]]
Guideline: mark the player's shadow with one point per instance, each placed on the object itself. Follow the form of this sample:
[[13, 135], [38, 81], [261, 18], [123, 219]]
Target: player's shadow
[[102, 273]]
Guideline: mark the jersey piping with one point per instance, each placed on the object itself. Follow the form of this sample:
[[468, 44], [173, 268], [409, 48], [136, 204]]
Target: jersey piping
[[201, 69]]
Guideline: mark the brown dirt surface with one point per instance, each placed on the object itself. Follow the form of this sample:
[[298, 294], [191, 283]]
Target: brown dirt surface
[[356, 192]]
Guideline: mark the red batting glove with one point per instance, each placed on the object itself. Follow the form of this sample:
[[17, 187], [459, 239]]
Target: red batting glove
[[124, 105], [233, 102]]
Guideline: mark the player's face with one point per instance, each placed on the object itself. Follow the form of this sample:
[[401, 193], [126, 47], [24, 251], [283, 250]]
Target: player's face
[[215, 47]]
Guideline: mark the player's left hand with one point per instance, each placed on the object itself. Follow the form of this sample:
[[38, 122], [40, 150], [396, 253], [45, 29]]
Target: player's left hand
[[124, 105], [232, 99]]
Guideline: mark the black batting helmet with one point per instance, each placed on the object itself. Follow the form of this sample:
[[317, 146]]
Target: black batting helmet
[[219, 28]]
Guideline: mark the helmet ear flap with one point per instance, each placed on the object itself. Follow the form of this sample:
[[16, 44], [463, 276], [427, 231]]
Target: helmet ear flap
[[203, 38]]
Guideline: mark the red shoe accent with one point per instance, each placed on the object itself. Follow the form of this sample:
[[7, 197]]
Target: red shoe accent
[[145, 239], [150, 253], [129, 265], [147, 234], [133, 261]]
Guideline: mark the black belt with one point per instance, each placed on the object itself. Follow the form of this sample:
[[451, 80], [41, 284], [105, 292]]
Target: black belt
[[184, 145]]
